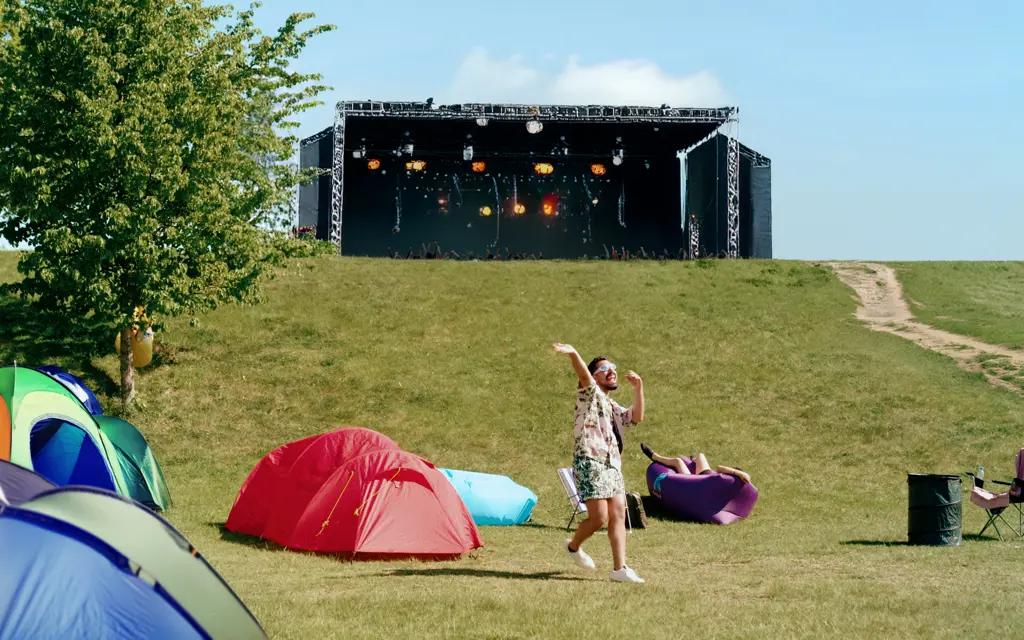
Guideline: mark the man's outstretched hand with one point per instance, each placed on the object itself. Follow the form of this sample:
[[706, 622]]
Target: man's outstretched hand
[[564, 348], [634, 379]]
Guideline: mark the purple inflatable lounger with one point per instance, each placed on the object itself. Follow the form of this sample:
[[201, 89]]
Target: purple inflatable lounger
[[713, 498]]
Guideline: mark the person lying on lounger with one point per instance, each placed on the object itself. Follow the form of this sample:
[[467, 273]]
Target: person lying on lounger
[[702, 466]]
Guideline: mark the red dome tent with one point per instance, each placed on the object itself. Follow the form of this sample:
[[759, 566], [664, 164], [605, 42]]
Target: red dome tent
[[353, 491]]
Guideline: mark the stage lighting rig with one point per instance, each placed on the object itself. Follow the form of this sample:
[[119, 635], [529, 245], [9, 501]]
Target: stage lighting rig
[[534, 126]]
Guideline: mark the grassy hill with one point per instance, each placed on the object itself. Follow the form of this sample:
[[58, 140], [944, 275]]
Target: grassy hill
[[980, 299], [759, 364]]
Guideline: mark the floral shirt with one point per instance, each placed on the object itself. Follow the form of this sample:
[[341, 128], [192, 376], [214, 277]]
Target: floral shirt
[[597, 419]]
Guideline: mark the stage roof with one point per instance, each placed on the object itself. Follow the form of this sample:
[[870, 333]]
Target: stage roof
[[500, 129]]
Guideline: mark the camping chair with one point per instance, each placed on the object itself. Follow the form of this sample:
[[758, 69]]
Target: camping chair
[[996, 503], [568, 480]]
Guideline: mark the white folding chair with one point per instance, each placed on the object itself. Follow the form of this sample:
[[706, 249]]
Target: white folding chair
[[568, 480]]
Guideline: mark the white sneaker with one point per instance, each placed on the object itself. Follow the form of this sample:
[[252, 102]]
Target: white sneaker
[[580, 557], [625, 574]]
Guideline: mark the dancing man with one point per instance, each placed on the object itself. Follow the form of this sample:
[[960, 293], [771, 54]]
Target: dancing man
[[597, 462]]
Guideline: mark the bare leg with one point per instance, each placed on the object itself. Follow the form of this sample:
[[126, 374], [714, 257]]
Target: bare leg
[[673, 463], [742, 475], [702, 464], [597, 517], [617, 530]]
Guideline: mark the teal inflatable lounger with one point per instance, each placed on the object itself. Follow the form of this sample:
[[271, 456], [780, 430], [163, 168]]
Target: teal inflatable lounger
[[492, 499]]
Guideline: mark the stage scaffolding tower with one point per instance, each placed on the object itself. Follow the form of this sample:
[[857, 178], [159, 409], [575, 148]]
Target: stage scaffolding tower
[[338, 176], [732, 178]]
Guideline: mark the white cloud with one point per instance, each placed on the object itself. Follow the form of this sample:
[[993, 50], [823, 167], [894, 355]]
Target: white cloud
[[481, 78]]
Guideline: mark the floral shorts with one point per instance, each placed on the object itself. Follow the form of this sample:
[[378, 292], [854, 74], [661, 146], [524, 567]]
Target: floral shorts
[[597, 481]]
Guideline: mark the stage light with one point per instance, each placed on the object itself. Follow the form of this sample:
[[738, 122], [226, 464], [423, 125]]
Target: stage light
[[519, 209], [442, 201], [482, 122], [373, 165], [543, 168], [534, 126], [485, 211], [598, 169], [549, 205], [416, 165], [479, 166], [467, 153], [407, 149], [596, 201], [617, 156]]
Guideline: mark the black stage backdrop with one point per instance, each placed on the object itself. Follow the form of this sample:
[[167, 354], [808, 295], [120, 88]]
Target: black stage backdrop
[[637, 203], [569, 213]]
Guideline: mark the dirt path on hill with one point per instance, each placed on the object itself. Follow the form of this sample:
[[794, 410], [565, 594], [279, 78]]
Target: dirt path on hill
[[883, 308]]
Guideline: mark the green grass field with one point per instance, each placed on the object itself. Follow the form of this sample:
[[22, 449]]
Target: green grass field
[[984, 300], [762, 365]]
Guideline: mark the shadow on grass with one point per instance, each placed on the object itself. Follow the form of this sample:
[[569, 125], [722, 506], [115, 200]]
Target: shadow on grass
[[480, 573], [973, 537], [654, 511], [245, 540], [266, 545], [967, 537], [877, 543], [34, 340], [535, 525]]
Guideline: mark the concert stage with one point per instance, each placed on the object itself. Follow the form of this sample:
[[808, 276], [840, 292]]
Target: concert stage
[[551, 181]]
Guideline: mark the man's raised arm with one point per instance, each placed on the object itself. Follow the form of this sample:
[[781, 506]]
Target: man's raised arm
[[586, 380], [638, 396]]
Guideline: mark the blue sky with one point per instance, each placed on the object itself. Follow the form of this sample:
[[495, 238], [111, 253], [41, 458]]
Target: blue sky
[[894, 128]]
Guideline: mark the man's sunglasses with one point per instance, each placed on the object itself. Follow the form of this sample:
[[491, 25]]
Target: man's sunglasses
[[606, 367]]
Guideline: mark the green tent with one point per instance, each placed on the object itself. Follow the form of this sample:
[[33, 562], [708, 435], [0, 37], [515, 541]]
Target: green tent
[[45, 428], [155, 552], [145, 480]]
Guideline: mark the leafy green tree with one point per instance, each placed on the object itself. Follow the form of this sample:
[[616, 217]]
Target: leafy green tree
[[143, 148]]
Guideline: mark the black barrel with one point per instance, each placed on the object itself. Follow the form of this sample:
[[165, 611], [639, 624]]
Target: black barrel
[[935, 516]]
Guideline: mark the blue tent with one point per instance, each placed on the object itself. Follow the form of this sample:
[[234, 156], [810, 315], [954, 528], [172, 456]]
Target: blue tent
[[18, 484], [65, 455], [492, 499], [86, 563], [52, 585], [75, 385]]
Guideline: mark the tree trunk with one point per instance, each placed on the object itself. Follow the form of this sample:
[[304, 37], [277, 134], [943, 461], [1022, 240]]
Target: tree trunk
[[127, 367]]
